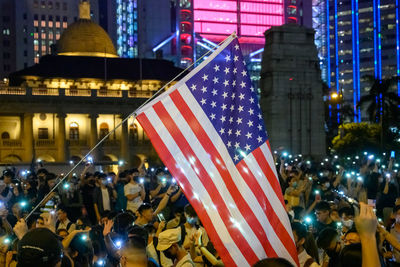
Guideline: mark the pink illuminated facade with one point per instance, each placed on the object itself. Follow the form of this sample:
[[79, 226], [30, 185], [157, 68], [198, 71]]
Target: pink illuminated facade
[[215, 19]]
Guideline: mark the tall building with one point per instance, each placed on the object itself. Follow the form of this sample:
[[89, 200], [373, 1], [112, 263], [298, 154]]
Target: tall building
[[361, 38], [30, 28], [291, 91], [58, 109]]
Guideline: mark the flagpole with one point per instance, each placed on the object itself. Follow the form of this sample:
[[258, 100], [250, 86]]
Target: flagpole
[[132, 114]]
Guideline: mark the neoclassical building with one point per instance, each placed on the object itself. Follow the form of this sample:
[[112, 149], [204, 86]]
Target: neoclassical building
[[58, 109]]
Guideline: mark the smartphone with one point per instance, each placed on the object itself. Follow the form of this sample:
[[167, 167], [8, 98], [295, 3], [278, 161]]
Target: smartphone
[[392, 154], [161, 217]]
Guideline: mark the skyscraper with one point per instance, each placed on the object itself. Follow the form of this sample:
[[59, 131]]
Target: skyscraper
[[361, 38], [30, 28]]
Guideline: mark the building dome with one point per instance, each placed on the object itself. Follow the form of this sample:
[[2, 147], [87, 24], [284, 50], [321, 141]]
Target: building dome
[[85, 38]]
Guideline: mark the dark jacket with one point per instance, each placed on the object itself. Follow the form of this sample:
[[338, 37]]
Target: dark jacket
[[98, 198]]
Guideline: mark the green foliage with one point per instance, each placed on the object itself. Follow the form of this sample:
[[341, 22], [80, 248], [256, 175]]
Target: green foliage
[[354, 138]]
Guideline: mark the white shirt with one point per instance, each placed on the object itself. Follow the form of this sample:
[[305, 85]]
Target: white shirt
[[303, 257], [131, 189], [106, 198], [64, 225]]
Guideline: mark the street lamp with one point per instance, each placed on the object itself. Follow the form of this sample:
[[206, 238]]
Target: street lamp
[[334, 95]]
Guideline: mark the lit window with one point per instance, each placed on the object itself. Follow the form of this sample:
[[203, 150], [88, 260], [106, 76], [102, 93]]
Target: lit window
[[73, 131], [103, 130]]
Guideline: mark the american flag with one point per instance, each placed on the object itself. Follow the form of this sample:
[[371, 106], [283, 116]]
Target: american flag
[[208, 130]]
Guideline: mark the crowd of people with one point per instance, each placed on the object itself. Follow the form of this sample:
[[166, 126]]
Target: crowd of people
[[345, 211]]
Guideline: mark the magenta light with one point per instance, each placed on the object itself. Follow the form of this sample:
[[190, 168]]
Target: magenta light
[[215, 17]]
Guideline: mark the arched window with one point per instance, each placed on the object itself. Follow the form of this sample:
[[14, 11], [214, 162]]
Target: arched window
[[73, 131], [103, 130], [133, 132], [5, 135]]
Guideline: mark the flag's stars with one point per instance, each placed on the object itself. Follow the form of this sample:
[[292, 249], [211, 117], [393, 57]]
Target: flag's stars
[[259, 139], [237, 145], [251, 111], [259, 127], [239, 120], [224, 95], [223, 107], [205, 77], [229, 144], [233, 83], [252, 89], [212, 116], [216, 67], [233, 96], [244, 73], [235, 58], [250, 123], [259, 116], [229, 132], [234, 70], [243, 84], [204, 89], [249, 135], [222, 131], [203, 101], [227, 70], [227, 58], [240, 108], [251, 100], [241, 96], [223, 119], [247, 147], [213, 104], [237, 47], [193, 87], [232, 107], [214, 92], [236, 158], [226, 82], [244, 62], [238, 133], [230, 119], [215, 80]]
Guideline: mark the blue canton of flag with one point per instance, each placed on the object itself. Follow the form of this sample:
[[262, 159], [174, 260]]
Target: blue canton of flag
[[223, 89]]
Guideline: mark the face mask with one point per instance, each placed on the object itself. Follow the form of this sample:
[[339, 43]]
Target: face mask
[[294, 184], [325, 173], [192, 221], [291, 213], [104, 182], [327, 184], [348, 223]]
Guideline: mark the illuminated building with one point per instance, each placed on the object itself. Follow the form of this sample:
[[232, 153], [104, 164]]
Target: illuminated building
[[57, 110], [30, 28], [362, 38]]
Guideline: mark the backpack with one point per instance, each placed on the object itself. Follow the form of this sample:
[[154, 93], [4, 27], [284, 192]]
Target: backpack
[[68, 225]]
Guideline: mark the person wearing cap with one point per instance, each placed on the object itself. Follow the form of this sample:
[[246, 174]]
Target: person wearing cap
[[169, 243], [39, 247]]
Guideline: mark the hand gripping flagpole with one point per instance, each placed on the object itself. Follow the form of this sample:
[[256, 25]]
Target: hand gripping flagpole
[[132, 114]]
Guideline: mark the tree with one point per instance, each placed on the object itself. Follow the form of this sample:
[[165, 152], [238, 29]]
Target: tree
[[382, 103], [354, 138]]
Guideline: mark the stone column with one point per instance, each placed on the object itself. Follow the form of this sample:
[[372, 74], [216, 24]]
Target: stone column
[[93, 139], [124, 141], [27, 135], [62, 153]]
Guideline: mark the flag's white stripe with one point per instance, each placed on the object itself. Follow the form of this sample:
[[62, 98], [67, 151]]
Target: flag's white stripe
[[267, 154], [195, 182], [280, 248], [212, 171], [237, 178], [266, 187]]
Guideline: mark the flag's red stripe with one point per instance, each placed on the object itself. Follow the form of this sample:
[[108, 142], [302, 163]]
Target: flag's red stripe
[[274, 220], [268, 172], [209, 147], [207, 182], [170, 162]]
